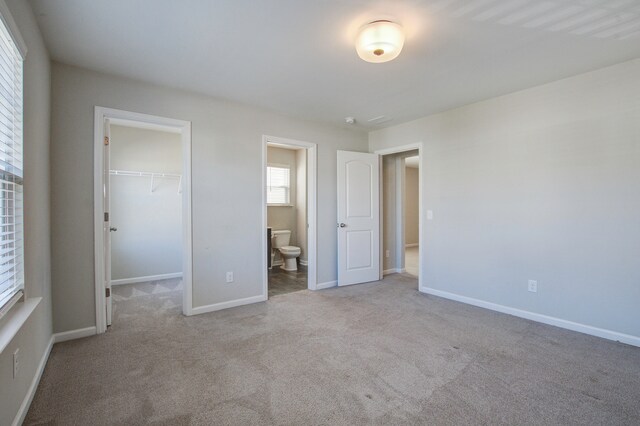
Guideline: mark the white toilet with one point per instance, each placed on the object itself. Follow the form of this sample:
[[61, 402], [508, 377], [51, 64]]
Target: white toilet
[[280, 241]]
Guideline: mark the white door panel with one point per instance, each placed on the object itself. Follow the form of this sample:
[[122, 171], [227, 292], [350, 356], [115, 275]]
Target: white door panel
[[358, 218], [358, 198], [359, 249]]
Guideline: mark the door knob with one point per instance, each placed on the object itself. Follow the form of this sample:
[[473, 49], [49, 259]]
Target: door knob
[[112, 229], [342, 225]]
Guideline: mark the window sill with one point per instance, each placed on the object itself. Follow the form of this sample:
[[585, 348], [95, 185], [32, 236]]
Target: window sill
[[280, 205], [13, 321]]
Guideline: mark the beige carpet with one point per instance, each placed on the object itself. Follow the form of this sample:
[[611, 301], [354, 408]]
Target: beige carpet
[[378, 353]]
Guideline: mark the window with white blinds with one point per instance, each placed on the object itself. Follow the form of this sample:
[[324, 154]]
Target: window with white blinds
[[278, 184], [11, 213]]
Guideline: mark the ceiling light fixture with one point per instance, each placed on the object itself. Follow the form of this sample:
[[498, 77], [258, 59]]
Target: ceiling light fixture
[[380, 41]]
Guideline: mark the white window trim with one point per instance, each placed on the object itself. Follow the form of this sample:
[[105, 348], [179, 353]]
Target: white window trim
[[12, 27], [17, 311], [18, 308], [17, 296], [14, 319], [281, 166]]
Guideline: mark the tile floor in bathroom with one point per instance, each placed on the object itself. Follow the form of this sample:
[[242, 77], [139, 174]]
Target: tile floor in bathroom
[[282, 282]]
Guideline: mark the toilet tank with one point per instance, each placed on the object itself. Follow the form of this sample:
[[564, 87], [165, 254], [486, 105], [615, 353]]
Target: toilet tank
[[280, 238]]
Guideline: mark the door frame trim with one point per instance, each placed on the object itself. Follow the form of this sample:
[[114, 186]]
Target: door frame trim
[[157, 123], [312, 203], [421, 194]]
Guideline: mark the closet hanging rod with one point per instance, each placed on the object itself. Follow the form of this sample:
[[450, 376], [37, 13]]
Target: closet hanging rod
[[151, 175], [144, 174]]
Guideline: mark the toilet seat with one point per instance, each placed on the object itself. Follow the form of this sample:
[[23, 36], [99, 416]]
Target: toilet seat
[[289, 249]]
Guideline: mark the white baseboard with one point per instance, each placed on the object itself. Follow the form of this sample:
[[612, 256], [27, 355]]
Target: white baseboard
[[545, 319], [411, 245], [74, 334], [328, 284], [26, 402], [147, 278], [304, 262], [225, 305]]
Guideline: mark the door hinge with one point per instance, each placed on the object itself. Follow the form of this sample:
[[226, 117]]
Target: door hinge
[[106, 216], [107, 292], [106, 140]]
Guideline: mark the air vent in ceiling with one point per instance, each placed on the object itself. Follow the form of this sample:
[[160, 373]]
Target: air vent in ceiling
[[379, 120]]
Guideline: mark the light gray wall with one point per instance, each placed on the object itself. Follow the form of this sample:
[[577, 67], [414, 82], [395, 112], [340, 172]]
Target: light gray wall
[[301, 202], [227, 186], [411, 205], [149, 237], [284, 217], [35, 335], [540, 184]]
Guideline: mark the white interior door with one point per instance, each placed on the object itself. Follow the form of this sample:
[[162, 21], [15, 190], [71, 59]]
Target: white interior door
[[107, 223], [358, 217]]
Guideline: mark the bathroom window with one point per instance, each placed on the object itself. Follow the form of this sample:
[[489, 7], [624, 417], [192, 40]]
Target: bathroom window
[[278, 185]]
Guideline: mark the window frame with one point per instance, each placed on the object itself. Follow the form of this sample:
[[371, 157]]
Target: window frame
[[18, 294], [288, 187]]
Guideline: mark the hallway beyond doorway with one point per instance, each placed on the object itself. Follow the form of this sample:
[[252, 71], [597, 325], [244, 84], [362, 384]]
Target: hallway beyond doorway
[[411, 260]]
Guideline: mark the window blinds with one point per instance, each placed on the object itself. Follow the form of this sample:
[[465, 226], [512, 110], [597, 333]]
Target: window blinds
[[277, 185], [11, 212]]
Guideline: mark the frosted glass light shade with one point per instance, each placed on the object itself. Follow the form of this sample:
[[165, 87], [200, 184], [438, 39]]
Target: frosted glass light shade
[[380, 41]]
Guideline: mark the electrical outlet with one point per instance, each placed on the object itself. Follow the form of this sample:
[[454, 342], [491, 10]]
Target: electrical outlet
[[229, 277], [429, 214], [386, 253], [16, 364], [533, 286]]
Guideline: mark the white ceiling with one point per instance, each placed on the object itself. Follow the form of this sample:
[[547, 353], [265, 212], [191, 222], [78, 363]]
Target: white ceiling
[[298, 57]]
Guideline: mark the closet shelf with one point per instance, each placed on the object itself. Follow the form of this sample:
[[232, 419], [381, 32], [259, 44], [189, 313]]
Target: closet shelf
[[152, 175]]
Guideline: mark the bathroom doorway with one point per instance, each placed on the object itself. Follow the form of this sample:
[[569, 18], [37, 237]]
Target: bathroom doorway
[[289, 215]]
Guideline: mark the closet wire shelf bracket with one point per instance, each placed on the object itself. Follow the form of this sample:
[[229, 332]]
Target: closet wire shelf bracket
[[152, 175]]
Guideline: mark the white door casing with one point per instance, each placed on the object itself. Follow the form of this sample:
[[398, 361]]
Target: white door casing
[[421, 196], [106, 226], [101, 174], [358, 224], [312, 195]]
